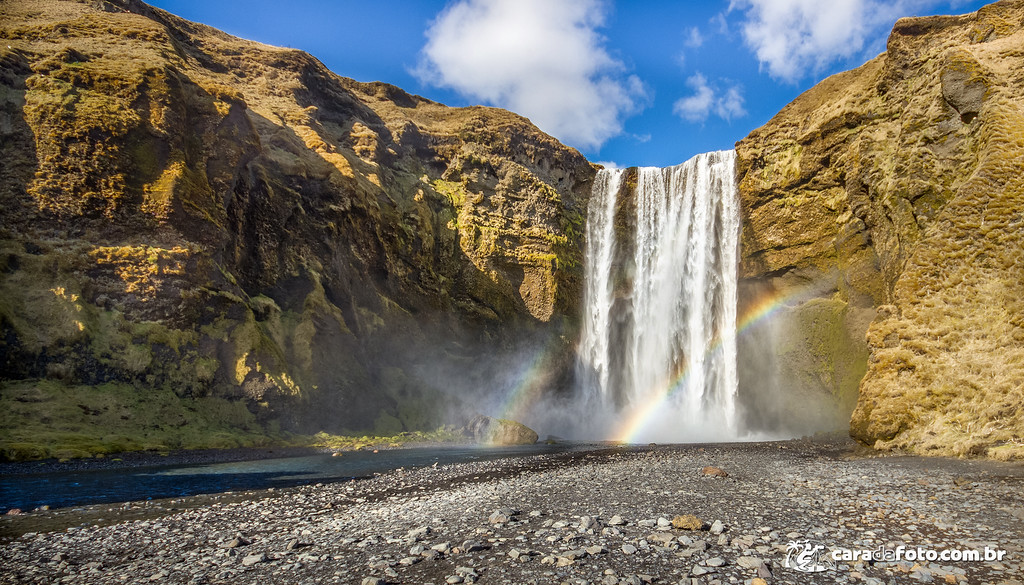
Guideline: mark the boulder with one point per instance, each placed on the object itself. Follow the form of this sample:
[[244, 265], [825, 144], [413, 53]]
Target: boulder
[[487, 430]]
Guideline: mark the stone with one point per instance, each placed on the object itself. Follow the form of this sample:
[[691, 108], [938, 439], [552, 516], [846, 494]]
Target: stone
[[473, 546], [616, 520], [628, 549], [493, 431], [714, 471], [717, 527], [687, 522], [715, 562], [418, 533], [499, 517], [372, 581], [250, 560], [749, 562], [661, 538]]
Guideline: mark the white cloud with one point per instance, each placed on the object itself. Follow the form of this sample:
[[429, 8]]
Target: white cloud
[[794, 38], [542, 59], [693, 39], [708, 99]]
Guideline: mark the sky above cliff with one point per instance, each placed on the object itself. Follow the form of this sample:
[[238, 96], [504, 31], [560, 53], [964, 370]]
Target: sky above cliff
[[632, 83]]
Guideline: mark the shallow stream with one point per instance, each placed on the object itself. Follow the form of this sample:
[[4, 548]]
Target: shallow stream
[[77, 488]]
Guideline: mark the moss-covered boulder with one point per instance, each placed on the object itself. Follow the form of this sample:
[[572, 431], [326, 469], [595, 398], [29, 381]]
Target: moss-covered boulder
[[486, 430]]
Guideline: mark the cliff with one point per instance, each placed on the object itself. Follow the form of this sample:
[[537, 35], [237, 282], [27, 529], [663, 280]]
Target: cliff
[[202, 222], [883, 207]]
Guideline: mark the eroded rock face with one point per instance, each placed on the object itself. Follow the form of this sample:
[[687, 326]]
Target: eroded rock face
[[184, 208], [892, 194]]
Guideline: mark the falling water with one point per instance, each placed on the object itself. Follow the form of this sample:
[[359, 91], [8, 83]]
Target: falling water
[[657, 357]]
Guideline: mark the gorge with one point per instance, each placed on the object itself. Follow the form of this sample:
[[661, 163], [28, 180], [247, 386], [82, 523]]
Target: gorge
[[208, 242]]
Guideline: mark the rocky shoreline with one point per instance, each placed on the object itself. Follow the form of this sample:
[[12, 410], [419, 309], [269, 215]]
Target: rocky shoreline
[[609, 515]]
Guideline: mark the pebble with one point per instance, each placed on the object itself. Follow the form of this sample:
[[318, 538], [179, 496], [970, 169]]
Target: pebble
[[459, 524], [251, 560]]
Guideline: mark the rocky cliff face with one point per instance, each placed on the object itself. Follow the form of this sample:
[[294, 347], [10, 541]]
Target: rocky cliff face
[[885, 206], [185, 210]]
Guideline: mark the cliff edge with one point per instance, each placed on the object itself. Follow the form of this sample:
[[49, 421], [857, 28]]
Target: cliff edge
[[888, 200], [212, 221]]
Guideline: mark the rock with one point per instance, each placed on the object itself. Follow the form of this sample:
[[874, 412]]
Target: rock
[[616, 520], [687, 522], [493, 431], [588, 523], [749, 562], [393, 187], [418, 533], [473, 546], [14, 512], [250, 560], [628, 549], [758, 581], [714, 471], [661, 538], [373, 581], [717, 527], [596, 549], [664, 523], [503, 515], [715, 562], [874, 223]]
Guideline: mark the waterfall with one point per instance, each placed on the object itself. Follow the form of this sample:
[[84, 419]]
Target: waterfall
[[657, 355]]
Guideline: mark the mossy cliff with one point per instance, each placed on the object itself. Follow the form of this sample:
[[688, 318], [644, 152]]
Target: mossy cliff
[[190, 212], [891, 196]]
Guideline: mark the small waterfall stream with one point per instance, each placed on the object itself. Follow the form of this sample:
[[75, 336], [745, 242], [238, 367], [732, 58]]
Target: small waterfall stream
[[657, 356]]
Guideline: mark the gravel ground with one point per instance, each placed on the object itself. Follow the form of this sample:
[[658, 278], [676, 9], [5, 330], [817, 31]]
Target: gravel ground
[[606, 516]]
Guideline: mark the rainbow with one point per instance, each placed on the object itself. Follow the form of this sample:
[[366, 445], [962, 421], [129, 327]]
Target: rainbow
[[640, 418], [528, 390]]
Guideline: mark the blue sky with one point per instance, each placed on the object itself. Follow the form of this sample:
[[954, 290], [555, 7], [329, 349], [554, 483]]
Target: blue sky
[[634, 83]]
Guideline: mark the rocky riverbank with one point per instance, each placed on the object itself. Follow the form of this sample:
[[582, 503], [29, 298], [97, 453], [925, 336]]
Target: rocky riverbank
[[605, 516]]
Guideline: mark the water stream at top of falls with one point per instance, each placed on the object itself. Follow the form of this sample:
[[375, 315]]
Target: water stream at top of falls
[[657, 355]]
